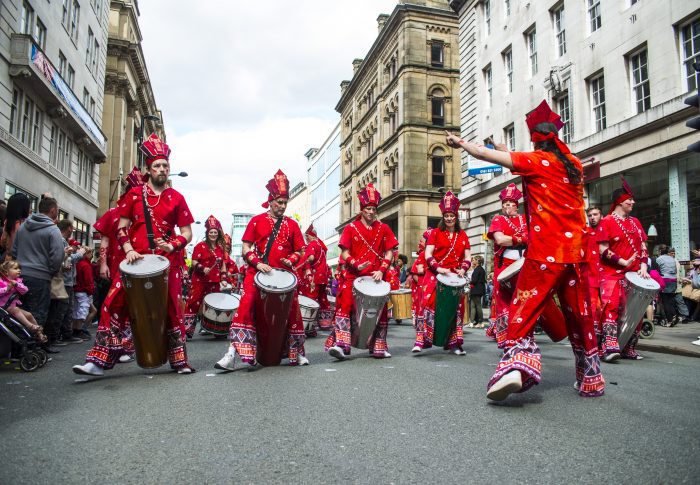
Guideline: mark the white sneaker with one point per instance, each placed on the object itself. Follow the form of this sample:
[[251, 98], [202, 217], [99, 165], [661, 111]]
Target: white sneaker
[[458, 351], [696, 342], [416, 349], [126, 358], [302, 360], [227, 362], [89, 369], [611, 357], [384, 354], [506, 385], [185, 370], [337, 352], [577, 385]]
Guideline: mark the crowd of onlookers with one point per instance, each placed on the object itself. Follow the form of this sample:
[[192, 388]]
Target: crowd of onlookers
[[680, 293], [47, 279]]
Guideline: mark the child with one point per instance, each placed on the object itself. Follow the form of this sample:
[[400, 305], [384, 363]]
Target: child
[[11, 284], [84, 289]]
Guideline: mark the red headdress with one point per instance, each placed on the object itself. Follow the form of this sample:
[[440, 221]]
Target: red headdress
[[227, 239], [510, 193], [134, 178], [369, 196], [277, 187], [155, 149], [449, 203], [311, 231], [620, 195], [427, 232], [544, 114], [212, 223]]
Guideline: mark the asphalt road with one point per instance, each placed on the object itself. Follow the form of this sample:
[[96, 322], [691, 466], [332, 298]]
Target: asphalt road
[[401, 420]]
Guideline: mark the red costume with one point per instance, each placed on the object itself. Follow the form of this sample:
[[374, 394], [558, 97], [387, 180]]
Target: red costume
[[314, 273], [595, 271], [205, 256], [416, 277], [365, 244], [287, 246], [555, 262]]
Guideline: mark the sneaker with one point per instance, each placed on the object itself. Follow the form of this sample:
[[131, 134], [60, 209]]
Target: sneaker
[[88, 369], [72, 340], [506, 385], [126, 358], [696, 342], [186, 370], [458, 351], [337, 352], [59, 343], [577, 385], [633, 357], [302, 360], [227, 362], [612, 357], [381, 355], [417, 349], [79, 335]]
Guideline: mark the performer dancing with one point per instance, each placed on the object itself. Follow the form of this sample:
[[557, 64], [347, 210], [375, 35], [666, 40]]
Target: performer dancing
[[167, 210], [231, 276], [555, 260], [595, 271], [208, 267], [416, 275], [622, 243], [263, 254], [447, 251], [313, 271], [366, 248]]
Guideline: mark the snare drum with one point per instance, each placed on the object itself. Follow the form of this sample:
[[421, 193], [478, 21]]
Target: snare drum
[[370, 298], [639, 293], [505, 277], [217, 312], [272, 309], [309, 312], [146, 285], [448, 292], [402, 304]]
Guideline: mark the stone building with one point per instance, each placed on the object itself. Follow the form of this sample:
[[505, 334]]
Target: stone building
[[617, 72], [403, 95], [52, 70]]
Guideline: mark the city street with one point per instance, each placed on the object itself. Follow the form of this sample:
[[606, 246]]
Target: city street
[[405, 419]]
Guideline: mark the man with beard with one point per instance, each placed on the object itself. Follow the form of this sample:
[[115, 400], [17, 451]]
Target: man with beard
[[594, 268], [167, 210]]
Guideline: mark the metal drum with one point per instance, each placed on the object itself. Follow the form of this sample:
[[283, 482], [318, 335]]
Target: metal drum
[[272, 307], [639, 293], [370, 298], [402, 304], [146, 285], [506, 276], [309, 312], [217, 312], [448, 292]]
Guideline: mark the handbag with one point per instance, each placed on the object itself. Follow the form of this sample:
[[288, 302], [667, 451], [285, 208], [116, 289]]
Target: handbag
[[691, 293], [58, 289]]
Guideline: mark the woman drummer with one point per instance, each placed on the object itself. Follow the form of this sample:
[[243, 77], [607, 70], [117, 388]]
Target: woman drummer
[[208, 265], [447, 251], [416, 275]]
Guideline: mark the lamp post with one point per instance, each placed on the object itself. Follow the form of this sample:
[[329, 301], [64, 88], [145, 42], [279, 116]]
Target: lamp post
[[143, 121]]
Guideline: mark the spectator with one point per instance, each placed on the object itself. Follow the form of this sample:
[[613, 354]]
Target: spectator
[[11, 287], [680, 306], [18, 207], [84, 289], [667, 268], [401, 266], [3, 211], [693, 279], [477, 290], [38, 248]]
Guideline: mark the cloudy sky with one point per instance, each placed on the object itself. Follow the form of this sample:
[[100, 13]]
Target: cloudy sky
[[247, 87]]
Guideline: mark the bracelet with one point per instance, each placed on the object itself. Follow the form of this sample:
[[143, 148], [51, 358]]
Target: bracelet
[[252, 258], [122, 236], [293, 258], [179, 242], [351, 263], [518, 241], [385, 265], [433, 264]]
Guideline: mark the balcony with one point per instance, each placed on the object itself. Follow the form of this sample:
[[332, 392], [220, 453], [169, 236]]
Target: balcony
[[29, 63]]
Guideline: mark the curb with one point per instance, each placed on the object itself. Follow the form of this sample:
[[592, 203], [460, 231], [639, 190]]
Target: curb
[[665, 349]]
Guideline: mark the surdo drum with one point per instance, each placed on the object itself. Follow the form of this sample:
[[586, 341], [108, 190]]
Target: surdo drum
[[217, 312], [449, 289], [309, 312], [402, 304], [274, 303], [639, 293], [370, 298]]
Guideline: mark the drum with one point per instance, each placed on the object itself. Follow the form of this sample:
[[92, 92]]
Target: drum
[[146, 285], [370, 298], [331, 302], [639, 292], [309, 312], [448, 292], [402, 304], [217, 312], [272, 307], [505, 277]]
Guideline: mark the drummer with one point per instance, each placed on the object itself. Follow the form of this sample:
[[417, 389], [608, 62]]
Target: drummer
[[623, 248], [366, 248], [168, 210], [313, 278], [209, 259], [231, 276], [415, 277], [447, 251], [595, 271], [555, 259], [284, 252]]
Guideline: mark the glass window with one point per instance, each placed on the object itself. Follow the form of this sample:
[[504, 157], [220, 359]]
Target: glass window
[[565, 113], [14, 112], [690, 38], [438, 168], [437, 53], [560, 31], [26, 19], [438, 108], [487, 16], [488, 81], [531, 38], [598, 102], [40, 34], [65, 19], [509, 135], [508, 65], [74, 20], [506, 8], [594, 14], [88, 51], [82, 231], [11, 190], [640, 81]]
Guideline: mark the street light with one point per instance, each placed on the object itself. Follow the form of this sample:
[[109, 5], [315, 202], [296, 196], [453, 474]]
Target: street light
[[143, 120], [181, 174]]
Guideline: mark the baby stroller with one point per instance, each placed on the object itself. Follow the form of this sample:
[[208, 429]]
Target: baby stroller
[[15, 339]]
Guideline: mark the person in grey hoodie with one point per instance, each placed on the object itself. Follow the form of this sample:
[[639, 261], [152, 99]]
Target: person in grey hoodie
[[38, 247]]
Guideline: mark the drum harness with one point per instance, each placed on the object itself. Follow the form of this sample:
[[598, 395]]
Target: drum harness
[[271, 240], [520, 249], [149, 222], [369, 247]]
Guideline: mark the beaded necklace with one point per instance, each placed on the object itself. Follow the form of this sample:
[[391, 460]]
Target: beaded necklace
[[370, 247], [619, 220]]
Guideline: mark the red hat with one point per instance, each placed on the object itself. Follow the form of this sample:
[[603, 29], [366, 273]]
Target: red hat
[[155, 149], [510, 193], [542, 114], [73, 243], [134, 178], [212, 223], [620, 195], [449, 203], [277, 187], [369, 196], [311, 231], [227, 239]]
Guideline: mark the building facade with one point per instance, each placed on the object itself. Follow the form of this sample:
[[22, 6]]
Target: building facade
[[617, 73], [394, 111], [298, 204], [240, 222], [130, 110], [52, 71]]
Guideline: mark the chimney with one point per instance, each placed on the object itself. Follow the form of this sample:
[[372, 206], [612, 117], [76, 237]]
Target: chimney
[[356, 64], [381, 21], [344, 85]]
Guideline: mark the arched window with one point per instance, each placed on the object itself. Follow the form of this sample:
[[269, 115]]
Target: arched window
[[438, 107], [437, 168]]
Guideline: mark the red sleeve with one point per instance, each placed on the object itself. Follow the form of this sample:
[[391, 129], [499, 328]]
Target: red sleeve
[[345, 241], [249, 234], [497, 225], [524, 163], [297, 239], [127, 209], [197, 253], [432, 239], [184, 216], [602, 234], [390, 241], [103, 224], [468, 246]]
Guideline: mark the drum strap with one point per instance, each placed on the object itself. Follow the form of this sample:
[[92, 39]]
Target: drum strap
[[149, 222], [272, 238]]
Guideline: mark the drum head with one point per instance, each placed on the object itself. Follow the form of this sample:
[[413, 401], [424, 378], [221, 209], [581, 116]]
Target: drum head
[[276, 281], [221, 301], [331, 299], [639, 282], [402, 291], [307, 302], [511, 270], [367, 286], [451, 279], [150, 265]]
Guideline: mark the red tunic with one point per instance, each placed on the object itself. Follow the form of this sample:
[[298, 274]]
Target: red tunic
[[448, 251], [107, 226], [289, 239], [367, 244], [625, 237], [509, 226], [594, 266], [208, 258], [318, 266], [556, 216]]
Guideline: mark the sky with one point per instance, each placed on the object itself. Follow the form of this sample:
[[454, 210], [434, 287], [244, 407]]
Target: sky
[[247, 87]]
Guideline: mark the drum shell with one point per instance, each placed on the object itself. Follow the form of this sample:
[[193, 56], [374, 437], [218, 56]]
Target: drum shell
[[446, 304], [272, 310], [366, 313], [636, 300], [147, 300], [309, 313], [402, 304], [217, 321]]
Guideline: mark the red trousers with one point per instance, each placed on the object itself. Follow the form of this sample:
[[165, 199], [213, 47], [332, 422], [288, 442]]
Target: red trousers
[[425, 321], [537, 283], [199, 290], [614, 299]]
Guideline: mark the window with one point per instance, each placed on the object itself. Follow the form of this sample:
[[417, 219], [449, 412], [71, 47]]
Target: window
[[53, 141], [487, 16], [488, 81], [640, 81], [70, 79], [26, 19], [62, 65], [25, 120], [509, 136], [68, 157], [92, 106], [597, 86], [14, 111], [11, 190], [74, 20], [508, 67], [62, 214], [85, 169], [437, 53], [88, 52], [36, 130], [95, 53], [690, 38], [86, 97], [594, 14], [81, 232], [506, 8], [565, 113], [559, 30], [40, 34], [531, 38], [61, 152], [438, 168], [438, 107], [394, 178], [65, 19]]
